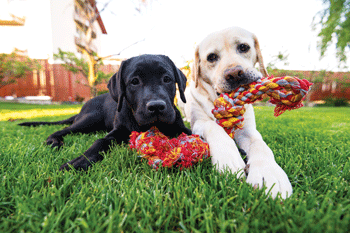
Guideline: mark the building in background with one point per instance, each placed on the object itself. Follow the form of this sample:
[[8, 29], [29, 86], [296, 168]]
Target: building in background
[[38, 28]]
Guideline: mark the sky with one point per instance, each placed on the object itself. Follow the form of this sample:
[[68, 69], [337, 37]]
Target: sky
[[175, 27]]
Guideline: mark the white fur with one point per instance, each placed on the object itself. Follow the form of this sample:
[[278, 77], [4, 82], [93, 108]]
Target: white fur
[[207, 81]]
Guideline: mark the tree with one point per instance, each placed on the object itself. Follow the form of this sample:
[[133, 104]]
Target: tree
[[90, 62], [79, 65], [86, 46], [335, 22], [281, 57], [14, 66]]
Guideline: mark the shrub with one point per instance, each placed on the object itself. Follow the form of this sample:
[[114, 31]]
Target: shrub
[[336, 102], [102, 92]]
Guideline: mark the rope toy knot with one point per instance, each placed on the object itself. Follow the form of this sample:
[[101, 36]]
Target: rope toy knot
[[183, 151], [285, 92]]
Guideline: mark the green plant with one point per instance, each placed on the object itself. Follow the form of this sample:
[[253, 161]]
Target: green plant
[[79, 99], [79, 65], [280, 58], [102, 92], [102, 77], [13, 66], [336, 102], [335, 23]]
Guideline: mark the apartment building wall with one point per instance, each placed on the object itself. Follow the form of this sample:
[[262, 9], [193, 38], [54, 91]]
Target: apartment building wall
[[49, 25]]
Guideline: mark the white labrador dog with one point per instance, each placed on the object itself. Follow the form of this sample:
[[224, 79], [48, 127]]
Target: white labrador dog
[[223, 61]]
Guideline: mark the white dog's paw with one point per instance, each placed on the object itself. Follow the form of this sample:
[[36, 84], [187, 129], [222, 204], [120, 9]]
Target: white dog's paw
[[229, 162], [269, 174]]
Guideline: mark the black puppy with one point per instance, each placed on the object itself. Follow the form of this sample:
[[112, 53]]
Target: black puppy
[[141, 95]]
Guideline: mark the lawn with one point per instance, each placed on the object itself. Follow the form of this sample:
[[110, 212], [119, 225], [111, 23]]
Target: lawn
[[123, 194]]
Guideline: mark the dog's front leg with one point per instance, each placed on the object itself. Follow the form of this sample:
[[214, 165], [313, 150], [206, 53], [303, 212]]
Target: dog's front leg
[[93, 154], [263, 169], [223, 150]]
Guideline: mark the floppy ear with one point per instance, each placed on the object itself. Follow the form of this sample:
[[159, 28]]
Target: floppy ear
[[180, 78], [116, 86], [196, 67], [181, 82], [260, 58]]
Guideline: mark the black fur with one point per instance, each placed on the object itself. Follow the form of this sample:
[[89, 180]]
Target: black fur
[[141, 95]]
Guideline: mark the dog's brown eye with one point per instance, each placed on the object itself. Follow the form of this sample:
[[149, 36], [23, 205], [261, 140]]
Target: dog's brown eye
[[135, 81], [243, 48], [212, 57], [167, 79]]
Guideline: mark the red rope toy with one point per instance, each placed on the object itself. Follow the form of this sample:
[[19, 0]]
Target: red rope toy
[[286, 92], [183, 151]]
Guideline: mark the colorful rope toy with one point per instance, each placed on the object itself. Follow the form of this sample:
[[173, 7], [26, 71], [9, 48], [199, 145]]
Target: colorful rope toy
[[286, 92], [183, 151]]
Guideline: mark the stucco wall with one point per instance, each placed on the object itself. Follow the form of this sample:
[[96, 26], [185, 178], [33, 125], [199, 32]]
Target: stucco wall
[[63, 25]]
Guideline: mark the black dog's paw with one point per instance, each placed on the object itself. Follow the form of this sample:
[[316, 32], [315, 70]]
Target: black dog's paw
[[187, 131], [80, 163], [65, 167], [54, 142]]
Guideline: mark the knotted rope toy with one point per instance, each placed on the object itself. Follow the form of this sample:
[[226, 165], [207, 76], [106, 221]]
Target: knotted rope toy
[[285, 92], [183, 151]]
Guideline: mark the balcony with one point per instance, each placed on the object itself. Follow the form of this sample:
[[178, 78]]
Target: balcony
[[79, 21], [12, 20], [81, 42]]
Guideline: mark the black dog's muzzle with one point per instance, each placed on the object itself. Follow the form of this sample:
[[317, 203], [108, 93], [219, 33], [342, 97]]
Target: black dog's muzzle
[[156, 106]]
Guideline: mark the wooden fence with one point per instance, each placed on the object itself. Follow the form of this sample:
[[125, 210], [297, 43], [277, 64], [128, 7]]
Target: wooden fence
[[55, 81], [326, 84]]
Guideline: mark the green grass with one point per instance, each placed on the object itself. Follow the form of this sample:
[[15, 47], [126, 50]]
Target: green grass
[[122, 193]]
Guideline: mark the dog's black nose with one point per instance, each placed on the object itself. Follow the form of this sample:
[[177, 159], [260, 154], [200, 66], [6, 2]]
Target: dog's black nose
[[235, 73], [156, 106]]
